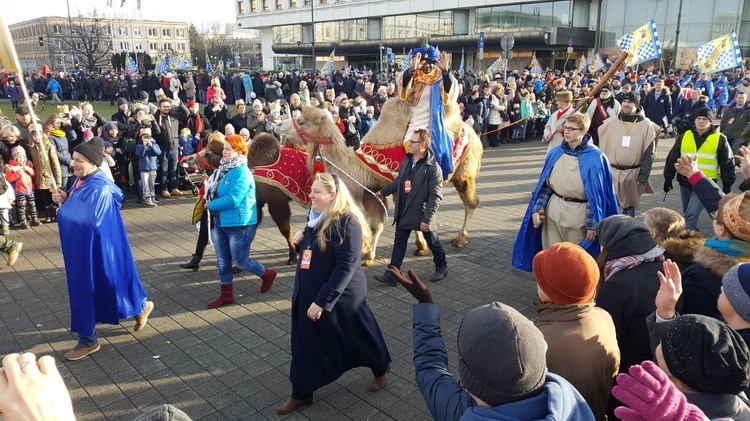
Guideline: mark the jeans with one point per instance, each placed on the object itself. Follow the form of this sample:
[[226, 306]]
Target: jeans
[[148, 178], [233, 244], [167, 171], [248, 98], [84, 342], [201, 95], [237, 95], [691, 207], [399, 247]]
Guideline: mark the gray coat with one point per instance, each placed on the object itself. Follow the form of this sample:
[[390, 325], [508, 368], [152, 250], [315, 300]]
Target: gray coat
[[422, 202]]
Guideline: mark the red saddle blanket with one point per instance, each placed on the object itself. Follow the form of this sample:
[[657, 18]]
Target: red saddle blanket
[[290, 173]]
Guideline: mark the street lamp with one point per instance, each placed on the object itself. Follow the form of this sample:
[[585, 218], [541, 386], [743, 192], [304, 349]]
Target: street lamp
[[381, 58]]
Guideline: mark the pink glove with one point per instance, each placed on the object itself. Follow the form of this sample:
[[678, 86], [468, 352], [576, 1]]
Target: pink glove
[[650, 395]]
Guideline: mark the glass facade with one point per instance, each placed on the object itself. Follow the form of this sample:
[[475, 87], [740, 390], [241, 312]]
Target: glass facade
[[523, 17], [417, 25], [701, 20]]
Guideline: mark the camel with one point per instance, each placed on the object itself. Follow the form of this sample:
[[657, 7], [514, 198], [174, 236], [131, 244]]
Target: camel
[[263, 150], [315, 131]]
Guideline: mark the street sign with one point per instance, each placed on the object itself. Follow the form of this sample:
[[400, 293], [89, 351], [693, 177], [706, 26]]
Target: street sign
[[570, 50], [570, 42], [508, 54], [507, 42], [481, 40]]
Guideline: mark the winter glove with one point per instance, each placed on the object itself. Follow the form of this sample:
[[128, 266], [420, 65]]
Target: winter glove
[[650, 395], [414, 285], [667, 186]]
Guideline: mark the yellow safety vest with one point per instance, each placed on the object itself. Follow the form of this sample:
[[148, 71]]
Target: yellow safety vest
[[708, 160]]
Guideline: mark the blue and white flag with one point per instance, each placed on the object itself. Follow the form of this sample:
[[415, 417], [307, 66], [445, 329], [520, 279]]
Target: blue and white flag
[[407, 61], [161, 65], [327, 68], [642, 44], [130, 65], [535, 67], [720, 54], [497, 64], [237, 58], [209, 67], [172, 62], [461, 67]]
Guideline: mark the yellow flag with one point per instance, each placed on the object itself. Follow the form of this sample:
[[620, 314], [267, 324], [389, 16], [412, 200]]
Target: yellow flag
[[8, 56]]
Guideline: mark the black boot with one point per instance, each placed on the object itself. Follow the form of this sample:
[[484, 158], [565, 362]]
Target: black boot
[[193, 264]]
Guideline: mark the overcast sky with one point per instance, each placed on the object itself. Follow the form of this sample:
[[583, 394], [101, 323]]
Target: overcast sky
[[192, 11]]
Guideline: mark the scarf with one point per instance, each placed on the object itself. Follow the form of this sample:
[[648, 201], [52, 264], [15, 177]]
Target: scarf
[[88, 122], [212, 184], [736, 249], [57, 133], [195, 123], [419, 82], [314, 218], [656, 254]]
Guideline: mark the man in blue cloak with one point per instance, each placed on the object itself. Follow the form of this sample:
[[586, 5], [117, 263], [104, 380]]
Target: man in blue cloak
[[103, 282], [425, 87]]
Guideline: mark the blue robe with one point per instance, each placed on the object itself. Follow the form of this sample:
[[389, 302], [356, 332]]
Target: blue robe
[[441, 143], [103, 282], [600, 192]]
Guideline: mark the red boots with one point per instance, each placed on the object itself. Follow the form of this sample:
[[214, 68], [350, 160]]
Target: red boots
[[226, 297], [268, 277]]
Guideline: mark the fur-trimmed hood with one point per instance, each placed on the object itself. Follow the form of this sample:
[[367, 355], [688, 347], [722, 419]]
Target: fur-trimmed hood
[[682, 249], [716, 262]]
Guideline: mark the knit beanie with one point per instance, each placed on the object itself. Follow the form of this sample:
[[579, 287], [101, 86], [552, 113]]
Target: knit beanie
[[632, 97], [144, 96], [88, 133], [736, 283], [93, 150], [706, 354], [576, 284], [502, 355], [705, 112], [17, 152], [608, 87], [621, 232], [121, 101]]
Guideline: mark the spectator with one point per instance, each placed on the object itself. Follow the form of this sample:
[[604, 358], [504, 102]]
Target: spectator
[[667, 227], [168, 141], [20, 172]]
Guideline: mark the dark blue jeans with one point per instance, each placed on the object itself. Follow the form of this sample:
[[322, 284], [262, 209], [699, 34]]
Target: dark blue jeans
[[167, 171], [399, 247], [233, 244]]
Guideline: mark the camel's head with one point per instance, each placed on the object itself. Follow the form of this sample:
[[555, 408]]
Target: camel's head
[[311, 127], [209, 157]]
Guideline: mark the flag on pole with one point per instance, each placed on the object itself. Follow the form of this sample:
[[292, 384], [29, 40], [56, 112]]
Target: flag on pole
[[141, 62], [161, 64], [237, 58], [209, 67], [130, 64], [719, 54], [461, 67], [596, 63], [496, 65], [220, 66], [172, 62], [407, 61], [642, 44], [536, 68], [582, 64], [327, 68]]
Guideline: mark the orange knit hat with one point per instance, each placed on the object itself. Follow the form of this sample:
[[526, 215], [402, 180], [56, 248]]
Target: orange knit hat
[[566, 273]]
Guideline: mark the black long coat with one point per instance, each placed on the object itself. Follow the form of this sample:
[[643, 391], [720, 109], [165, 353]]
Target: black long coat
[[346, 335]]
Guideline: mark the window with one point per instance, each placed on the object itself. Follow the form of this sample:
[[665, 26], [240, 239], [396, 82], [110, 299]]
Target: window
[[265, 5], [278, 5], [56, 29], [124, 46], [181, 46], [153, 46], [253, 6], [79, 45], [137, 46], [165, 32], [152, 32], [136, 32], [167, 45], [74, 31], [241, 8], [107, 30], [179, 33]]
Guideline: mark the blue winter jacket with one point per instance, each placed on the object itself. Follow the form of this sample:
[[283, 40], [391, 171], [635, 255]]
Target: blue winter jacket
[[235, 199], [148, 156], [448, 401], [54, 86]]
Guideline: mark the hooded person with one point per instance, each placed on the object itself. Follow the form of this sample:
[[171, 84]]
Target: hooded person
[[602, 108], [502, 365], [580, 336], [426, 86], [103, 287]]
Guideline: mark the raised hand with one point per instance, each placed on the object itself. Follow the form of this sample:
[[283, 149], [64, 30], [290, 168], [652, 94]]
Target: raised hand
[[416, 62], [443, 61], [669, 291], [414, 285]]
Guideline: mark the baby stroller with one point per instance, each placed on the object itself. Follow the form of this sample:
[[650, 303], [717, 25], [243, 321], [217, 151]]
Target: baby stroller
[[189, 178]]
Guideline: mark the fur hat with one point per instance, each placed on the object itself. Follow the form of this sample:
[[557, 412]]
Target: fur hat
[[574, 285], [566, 96], [93, 150], [498, 333]]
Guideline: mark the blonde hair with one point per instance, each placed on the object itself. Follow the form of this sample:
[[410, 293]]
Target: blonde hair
[[581, 119], [342, 204], [10, 130], [663, 223]]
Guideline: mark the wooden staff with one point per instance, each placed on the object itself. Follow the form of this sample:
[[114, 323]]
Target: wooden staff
[[9, 60], [605, 79]]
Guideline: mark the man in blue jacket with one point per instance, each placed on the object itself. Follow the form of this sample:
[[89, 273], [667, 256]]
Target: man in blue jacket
[[54, 88], [502, 364]]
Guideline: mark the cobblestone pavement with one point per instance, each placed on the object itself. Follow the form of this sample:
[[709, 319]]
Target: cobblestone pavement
[[233, 363]]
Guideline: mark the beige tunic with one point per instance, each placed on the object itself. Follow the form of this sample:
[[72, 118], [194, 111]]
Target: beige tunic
[[566, 221], [641, 134]]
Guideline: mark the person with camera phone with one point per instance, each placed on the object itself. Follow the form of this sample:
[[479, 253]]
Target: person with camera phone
[[147, 152]]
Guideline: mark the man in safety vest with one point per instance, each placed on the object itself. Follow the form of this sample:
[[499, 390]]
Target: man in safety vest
[[714, 157]]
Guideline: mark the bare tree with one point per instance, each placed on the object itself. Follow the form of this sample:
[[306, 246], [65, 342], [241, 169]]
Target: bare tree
[[214, 39], [91, 39]]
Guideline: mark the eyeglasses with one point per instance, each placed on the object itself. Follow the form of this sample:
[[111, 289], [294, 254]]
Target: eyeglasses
[[571, 129], [415, 141]]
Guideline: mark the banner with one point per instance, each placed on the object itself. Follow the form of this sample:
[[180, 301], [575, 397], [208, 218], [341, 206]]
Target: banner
[[327, 68], [8, 57], [407, 62], [209, 67], [582, 64], [642, 45], [161, 65], [130, 65], [461, 67], [720, 54], [596, 63], [496, 65], [535, 67]]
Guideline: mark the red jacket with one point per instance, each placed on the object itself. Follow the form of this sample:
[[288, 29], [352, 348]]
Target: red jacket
[[21, 175]]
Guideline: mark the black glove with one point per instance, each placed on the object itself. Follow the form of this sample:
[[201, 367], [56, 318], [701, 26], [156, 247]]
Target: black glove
[[415, 286], [667, 186]]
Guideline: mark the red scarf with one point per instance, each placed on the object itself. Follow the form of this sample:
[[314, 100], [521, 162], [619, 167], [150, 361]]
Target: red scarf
[[195, 124], [562, 112]]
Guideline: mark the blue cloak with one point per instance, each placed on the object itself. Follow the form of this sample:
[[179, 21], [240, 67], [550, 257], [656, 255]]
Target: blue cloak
[[600, 192], [441, 143], [103, 282]]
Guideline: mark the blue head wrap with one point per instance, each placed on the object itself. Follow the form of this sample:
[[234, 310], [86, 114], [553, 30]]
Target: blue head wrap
[[431, 53]]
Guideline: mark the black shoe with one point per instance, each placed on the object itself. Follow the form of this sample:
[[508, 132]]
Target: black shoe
[[439, 274], [193, 264], [386, 278]]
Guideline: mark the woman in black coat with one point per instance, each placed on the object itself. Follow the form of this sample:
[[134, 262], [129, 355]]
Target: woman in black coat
[[333, 329]]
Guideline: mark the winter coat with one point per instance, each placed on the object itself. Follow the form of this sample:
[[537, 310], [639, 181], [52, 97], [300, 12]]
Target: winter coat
[[189, 87], [657, 109], [421, 203], [682, 249], [168, 134], [218, 119], [148, 156], [14, 93], [235, 199], [447, 400], [175, 85], [735, 123], [62, 148], [22, 176], [46, 165], [498, 108], [247, 83], [582, 349], [723, 153], [701, 282], [53, 86], [346, 335]]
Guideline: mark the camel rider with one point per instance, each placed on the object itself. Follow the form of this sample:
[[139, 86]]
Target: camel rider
[[426, 86]]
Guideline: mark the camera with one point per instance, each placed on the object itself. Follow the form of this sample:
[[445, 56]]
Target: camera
[[145, 124]]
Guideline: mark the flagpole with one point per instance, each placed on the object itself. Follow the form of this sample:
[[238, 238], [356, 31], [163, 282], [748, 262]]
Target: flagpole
[[677, 36]]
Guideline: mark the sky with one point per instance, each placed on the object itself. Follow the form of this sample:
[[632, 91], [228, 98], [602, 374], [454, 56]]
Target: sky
[[192, 11]]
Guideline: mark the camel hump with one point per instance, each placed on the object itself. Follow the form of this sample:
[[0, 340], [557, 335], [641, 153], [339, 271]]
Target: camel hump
[[264, 150], [391, 125]]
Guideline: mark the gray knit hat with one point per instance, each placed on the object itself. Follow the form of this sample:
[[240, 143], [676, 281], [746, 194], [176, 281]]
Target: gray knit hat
[[736, 283], [615, 228], [502, 355], [93, 150]]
